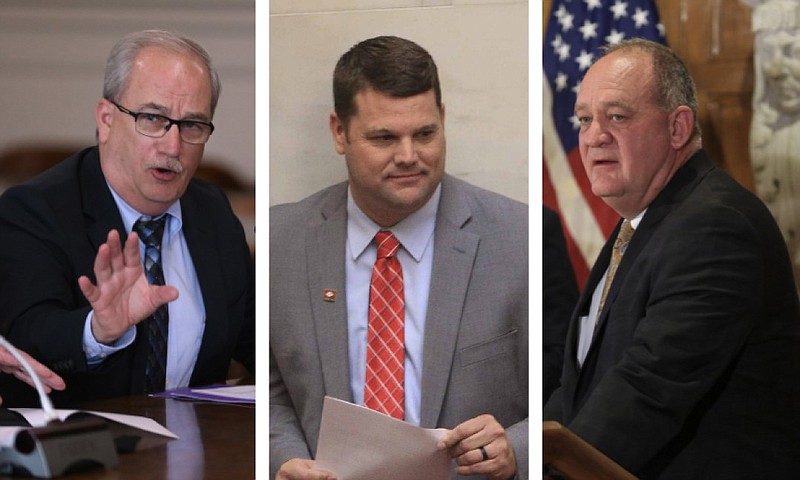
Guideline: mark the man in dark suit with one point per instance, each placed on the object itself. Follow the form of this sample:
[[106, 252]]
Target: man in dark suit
[[558, 299], [74, 292], [463, 254], [690, 368]]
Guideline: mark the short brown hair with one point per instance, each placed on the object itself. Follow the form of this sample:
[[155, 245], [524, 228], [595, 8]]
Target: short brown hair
[[387, 64]]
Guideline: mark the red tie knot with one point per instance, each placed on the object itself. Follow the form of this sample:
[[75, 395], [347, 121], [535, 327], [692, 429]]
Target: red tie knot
[[387, 244]]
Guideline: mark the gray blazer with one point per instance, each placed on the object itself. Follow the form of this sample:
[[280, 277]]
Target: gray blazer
[[476, 338]]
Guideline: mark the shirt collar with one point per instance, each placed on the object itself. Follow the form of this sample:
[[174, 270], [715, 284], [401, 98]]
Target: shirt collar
[[637, 219], [413, 232], [130, 215]]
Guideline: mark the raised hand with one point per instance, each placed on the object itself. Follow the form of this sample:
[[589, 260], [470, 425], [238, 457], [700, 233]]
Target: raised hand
[[122, 297]]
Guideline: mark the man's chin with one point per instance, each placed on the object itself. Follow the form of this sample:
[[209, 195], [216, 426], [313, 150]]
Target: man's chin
[[412, 197], [605, 189], [162, 200]]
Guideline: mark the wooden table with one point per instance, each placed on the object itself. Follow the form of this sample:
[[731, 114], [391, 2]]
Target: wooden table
[[217, 441]]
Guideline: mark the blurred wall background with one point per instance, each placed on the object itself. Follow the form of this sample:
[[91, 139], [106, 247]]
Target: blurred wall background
[[52, 55], [480, 48]]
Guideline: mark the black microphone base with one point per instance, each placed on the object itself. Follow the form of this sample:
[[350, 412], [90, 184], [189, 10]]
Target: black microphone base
[[60, 448]]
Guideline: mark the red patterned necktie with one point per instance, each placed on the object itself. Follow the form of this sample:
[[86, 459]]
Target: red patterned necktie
[[383, 389]]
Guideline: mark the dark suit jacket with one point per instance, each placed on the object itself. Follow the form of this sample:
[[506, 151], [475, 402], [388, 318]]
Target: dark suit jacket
[[694, 371], [475, 357], [559, 298], [50, 230]]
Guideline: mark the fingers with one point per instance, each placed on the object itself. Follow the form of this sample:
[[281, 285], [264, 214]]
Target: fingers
[[131, 254], [480, 454], [9, 364], [480, 446], [103, 269], [484, 454], [302, 469], [163, 294], [47, 376], [495, 460], [111, 258], [121, 296], [22, 374], [471, 434], [115, 250], [88, 289]]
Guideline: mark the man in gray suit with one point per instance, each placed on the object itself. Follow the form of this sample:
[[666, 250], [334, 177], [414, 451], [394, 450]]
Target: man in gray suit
[[463, 253]]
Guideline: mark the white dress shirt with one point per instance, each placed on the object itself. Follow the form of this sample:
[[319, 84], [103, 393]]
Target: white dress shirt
[[588, 323]]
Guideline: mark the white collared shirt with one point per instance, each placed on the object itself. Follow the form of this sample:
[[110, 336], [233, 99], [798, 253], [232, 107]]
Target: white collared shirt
[[588, 322]]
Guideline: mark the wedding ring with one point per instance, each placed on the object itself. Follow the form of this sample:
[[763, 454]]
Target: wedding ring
[[485, 455]]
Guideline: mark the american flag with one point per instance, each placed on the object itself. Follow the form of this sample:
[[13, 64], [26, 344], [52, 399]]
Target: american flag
[[576, 30]]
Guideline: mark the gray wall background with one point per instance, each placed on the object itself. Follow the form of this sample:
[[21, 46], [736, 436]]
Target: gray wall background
[[52, 55], [480, 47]]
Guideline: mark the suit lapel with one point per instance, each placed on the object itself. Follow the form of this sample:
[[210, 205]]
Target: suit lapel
[[572, 371], [102, 215], [453, 258], [99, 208], [682, 183], [198, 230], [325, 250]]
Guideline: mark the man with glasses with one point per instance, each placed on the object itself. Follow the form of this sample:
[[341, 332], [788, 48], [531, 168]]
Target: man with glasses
[[119, 271]]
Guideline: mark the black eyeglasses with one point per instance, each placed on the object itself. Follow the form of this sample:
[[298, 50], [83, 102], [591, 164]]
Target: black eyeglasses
[[156, 126]]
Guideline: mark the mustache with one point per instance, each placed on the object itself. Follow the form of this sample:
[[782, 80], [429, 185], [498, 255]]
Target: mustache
[[170, 164]]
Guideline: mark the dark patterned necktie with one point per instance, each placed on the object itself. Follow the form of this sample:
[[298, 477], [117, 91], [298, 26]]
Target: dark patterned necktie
[[157, 326]]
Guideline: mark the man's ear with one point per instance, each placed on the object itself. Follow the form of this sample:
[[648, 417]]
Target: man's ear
[[338, 132], [103, 114], [681, 126]]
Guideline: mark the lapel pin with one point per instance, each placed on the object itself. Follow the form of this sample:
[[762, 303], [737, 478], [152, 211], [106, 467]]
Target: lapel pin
[[329, 295]]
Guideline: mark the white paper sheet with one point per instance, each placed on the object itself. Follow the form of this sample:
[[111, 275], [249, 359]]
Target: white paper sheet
[[37, 418], [357, 443]]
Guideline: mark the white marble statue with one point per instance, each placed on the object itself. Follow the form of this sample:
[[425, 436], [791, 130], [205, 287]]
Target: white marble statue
[[775, 128]]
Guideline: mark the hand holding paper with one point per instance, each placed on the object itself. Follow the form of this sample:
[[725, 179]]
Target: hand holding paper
[[357, 443], [302, 469], [480, 447]]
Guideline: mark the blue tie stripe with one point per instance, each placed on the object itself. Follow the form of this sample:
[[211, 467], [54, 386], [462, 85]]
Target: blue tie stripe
[[151, 232]]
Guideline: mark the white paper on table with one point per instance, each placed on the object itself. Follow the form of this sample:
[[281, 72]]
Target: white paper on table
[[144, 426], [357, 443]]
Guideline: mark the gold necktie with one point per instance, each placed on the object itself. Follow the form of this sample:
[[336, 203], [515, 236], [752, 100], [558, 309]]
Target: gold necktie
[[620, 245]]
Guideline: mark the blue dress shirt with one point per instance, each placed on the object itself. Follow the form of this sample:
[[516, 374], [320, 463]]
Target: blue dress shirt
[[187, 316], [415, 234]]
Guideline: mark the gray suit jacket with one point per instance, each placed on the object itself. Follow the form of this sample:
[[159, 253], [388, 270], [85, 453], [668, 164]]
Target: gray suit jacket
[[476, 338]]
